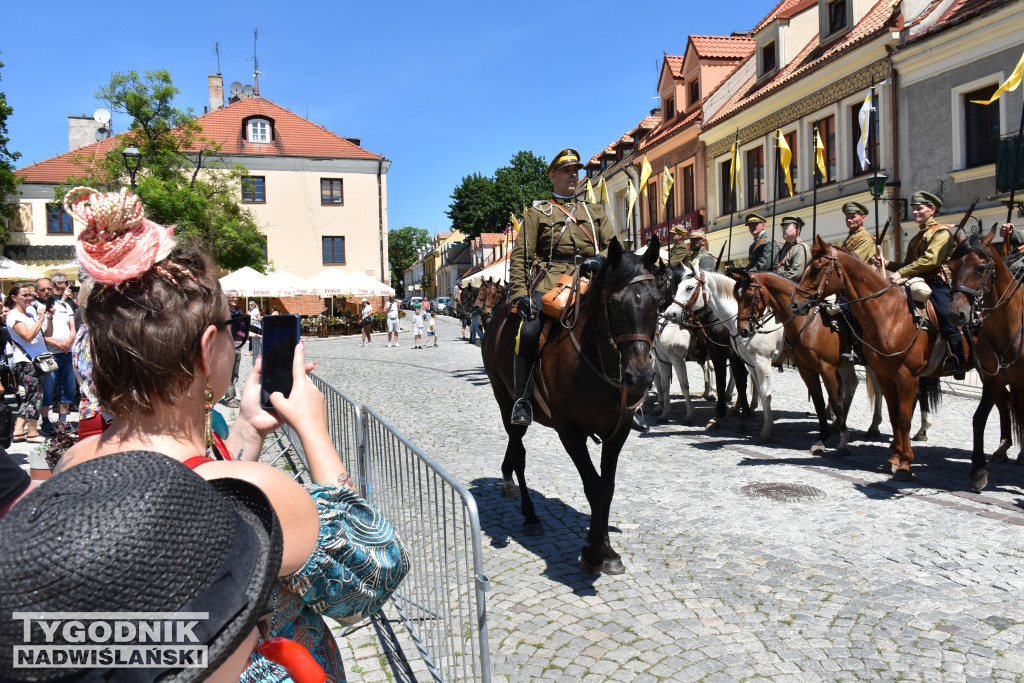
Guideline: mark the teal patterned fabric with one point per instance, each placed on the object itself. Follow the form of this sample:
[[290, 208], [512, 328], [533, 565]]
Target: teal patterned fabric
[[358, 562]]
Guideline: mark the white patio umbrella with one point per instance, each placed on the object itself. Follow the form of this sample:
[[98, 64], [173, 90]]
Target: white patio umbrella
[[12, 270], [332, 283], [287, 284], [370, 286], [248, 282], [69, 268]]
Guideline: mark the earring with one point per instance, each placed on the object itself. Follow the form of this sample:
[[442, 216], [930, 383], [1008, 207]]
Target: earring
[[208, 395]]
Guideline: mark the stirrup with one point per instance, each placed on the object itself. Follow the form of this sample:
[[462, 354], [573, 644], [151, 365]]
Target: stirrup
[[522, 413]]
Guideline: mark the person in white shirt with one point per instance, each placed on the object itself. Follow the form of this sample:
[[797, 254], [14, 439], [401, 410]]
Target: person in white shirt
[[367, 322], [27, 331], [392, 320], [418, 317], [58, 387]]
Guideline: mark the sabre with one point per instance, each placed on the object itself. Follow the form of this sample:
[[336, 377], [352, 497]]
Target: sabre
[[718, 261], [878, 245]]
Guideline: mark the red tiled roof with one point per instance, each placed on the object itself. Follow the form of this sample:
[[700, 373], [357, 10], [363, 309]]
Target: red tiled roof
[[809, 59], [675, 65], [489, 239], [781, 9], [723, 47], [955, 14], [293, 136], [793, 9], [670, 127]]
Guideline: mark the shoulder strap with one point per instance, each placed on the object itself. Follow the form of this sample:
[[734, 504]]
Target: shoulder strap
[[572, 219], [196, 461]]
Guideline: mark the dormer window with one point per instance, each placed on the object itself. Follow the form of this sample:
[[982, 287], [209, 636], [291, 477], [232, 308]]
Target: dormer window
[[258, 131], [836, 15], [694, 92], [670, 107], [769, 62]]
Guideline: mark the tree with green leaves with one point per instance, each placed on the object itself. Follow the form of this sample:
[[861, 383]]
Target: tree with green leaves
[[404, 244], [183, 180], [483, 204], [9, 180]]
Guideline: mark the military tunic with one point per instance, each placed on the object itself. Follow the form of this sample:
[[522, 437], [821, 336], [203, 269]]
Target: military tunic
[[793, 258], [679, 254], [861, 243], [703, 260], [927, 252], [543, 232], [762, 253]]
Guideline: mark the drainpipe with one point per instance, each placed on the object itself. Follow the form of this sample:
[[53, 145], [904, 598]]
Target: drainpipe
[[894, 114], [380, 221]]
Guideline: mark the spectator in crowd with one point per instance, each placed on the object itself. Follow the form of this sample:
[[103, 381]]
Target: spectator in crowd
[[366, 323], [432, 327], [418, 317], [160, 376], [255, 324], [101, 539], [274, 310], [14, 483], [58, 387], [393, 321], [27, 330], [475, 331], [239, 331]]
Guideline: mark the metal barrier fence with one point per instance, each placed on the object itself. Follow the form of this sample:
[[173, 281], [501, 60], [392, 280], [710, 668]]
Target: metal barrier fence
[[442, 599]]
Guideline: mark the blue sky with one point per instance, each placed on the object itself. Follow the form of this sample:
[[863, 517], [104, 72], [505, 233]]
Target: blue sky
[[442, 91]]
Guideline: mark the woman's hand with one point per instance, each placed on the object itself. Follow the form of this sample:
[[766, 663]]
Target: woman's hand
[[305, 409], [249, 408]]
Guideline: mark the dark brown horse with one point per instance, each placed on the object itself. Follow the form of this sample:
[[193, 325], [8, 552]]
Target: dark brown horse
[[895, 347], [812, 345], [987, 297], [588, 381]]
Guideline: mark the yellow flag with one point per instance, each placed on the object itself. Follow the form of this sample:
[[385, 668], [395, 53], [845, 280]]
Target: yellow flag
[[819, 156], [666, 187], [516, 225], [590, 192], [734, 172], [630, 198], [645, 173], [602, 189], [1009, 85], [785, 158]]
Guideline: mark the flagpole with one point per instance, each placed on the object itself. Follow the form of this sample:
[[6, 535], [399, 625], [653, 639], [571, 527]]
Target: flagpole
[[814, 185], [775, 195], [732, 191], [873, 123], [1016, 165]]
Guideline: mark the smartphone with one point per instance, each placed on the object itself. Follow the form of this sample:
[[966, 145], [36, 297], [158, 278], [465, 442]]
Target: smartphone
[[280, 337]]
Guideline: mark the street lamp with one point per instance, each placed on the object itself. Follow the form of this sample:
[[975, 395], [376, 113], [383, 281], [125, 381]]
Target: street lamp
[[132, 160], [876, 186]]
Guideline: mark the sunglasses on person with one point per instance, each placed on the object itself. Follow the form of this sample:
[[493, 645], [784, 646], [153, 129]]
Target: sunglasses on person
[[239, 328]]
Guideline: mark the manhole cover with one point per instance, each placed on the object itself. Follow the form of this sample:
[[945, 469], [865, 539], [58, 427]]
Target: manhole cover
[[786, 493]]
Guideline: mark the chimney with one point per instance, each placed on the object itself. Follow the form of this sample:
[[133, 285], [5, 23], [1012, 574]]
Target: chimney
[[216, 85], [81, 131]]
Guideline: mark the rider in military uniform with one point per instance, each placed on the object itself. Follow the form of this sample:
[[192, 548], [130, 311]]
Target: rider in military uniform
[[859, 241], [795, 254], [762, 254], [555, 234], [1015, 254], [680, 253], [702, 258], [927, 254]]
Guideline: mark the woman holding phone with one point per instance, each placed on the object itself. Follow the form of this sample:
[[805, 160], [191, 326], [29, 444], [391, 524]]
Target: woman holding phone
[[162, 354]]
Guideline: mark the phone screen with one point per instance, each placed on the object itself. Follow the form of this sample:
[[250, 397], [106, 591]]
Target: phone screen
[[280, 337]]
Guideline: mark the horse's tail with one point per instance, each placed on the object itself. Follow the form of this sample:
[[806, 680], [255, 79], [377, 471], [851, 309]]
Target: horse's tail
[[1017, 416], [931, 394]]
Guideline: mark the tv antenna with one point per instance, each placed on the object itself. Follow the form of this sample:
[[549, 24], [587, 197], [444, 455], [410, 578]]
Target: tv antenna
[[216, 51], [256, 62]]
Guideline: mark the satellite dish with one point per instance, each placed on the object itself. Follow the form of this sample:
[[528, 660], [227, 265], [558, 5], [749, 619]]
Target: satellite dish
[[235, 88], [101, 116], [247, 91], [102, 134]]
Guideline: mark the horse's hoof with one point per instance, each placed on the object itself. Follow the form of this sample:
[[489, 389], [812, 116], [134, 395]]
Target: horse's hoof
[[874, 432], [533, 529], [817, 448], [902, 475], [687, 420], [919, 437], [978, 481], [712, 425], [1000, 454], [764, 438], [843, 451], [509, 490], [613, 566], [734, 411]]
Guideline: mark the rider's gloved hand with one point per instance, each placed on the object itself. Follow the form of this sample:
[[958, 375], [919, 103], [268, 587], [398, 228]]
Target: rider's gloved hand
[[592, 264], [527, 308]]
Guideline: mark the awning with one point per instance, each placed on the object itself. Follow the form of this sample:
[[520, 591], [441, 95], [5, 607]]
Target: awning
[[287, 284], [12, 270], [248, 282], [495, 270], [337, 283]]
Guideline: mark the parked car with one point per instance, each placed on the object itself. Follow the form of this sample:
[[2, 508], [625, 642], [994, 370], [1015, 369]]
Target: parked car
[[406, 303], [444, 305]]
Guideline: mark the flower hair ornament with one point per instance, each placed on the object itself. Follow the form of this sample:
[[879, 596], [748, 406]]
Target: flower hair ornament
[[119, 243]]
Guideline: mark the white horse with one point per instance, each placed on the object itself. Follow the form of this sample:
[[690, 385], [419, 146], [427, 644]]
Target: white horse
[[700, 289], [675, 346]]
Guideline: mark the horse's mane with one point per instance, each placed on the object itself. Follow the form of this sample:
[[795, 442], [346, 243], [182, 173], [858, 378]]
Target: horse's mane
[[616, 278], [972, 243], [721, 284]]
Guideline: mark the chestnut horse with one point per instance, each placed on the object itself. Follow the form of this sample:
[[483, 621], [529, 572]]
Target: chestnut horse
[[986, 296], [895, 347], [811, 343], [489, 295], [588, 380]]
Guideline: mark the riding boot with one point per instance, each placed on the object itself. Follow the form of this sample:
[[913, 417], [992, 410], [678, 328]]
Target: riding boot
[[956, 347], [522, 410], [638, 422]]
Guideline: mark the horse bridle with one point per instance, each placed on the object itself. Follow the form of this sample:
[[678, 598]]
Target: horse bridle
[[700, 290], [815, 297], [756, 320], [977, 318], [974, 295]]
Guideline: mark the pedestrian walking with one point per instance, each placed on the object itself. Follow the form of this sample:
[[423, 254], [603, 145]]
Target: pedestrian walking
[[366, 323], [255, 324], [393, 321], [431, 328], [418, 323]]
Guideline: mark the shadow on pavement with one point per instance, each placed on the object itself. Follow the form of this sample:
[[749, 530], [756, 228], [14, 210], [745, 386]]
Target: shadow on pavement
[[565, 528]]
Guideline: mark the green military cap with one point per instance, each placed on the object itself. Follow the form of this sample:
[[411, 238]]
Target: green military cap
[[793, 219], [697, 234], [855, 207], [567, 157], [926, 198], [679, 230], [754, 218]]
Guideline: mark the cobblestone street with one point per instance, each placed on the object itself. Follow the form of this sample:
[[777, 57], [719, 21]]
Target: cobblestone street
[[868, 580]]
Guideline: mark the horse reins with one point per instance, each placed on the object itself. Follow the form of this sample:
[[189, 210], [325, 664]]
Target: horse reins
[[977, 319]]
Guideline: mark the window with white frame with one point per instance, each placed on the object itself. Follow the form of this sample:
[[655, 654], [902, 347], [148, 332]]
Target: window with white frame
[[259, 131], [976, 127]]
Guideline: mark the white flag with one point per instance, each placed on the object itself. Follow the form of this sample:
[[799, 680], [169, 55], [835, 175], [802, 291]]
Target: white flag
[[865, 128]]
